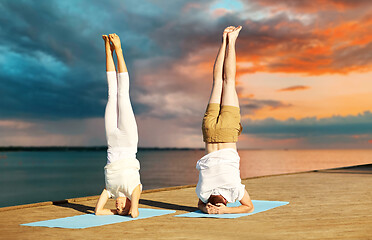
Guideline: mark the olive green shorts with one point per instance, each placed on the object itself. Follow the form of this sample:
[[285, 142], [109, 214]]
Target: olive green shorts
[[221, 124]]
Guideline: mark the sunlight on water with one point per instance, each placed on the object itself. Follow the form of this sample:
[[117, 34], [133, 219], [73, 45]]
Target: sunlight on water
[[27, 177], [268, 162]]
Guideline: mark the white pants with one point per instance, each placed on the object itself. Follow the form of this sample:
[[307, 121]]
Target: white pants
[[120, 123]]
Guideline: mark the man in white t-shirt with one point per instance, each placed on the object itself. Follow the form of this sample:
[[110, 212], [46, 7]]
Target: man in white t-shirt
[[219, 175]]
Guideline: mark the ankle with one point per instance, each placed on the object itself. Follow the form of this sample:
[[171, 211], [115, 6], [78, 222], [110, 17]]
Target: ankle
[[232, 41]]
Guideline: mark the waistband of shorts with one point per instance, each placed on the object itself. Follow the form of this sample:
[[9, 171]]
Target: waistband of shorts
[[217, 106], [221, 139]]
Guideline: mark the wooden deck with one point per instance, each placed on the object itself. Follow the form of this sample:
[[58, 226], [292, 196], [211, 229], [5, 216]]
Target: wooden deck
[[329, 204]]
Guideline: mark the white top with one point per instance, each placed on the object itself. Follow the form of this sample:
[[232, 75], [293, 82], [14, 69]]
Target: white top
[[219, 174], [122, 177]]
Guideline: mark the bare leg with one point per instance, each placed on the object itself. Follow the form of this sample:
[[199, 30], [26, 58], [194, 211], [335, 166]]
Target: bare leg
[[218, 82], [229, 96], [218, 70], [134, 202]]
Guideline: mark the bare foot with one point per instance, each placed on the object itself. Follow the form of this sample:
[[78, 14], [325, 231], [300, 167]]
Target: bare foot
[[108, 45], [226, 31], [115, 41], [233, 35]]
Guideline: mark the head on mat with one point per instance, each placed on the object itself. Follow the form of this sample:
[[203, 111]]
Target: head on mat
[[122, 205], [216, 199]]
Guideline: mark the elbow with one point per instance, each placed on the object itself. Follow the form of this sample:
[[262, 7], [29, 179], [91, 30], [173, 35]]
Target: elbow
[[252, 209], [248, 209]]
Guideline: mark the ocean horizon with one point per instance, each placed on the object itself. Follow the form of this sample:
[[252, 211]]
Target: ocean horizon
[[37, 174]]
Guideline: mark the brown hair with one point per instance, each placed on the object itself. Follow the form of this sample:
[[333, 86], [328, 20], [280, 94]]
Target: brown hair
[[214, 199]]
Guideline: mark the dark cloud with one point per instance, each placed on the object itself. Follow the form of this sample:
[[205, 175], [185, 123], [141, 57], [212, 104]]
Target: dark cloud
[[53, 54], [53, 57], [52, 65], [345, 59], [57, 46], [249, 105], [308, 127], [40, 97], [71, 132]]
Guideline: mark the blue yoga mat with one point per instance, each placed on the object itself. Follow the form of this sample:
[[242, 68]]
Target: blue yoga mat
[[91, 220], [259, 206]]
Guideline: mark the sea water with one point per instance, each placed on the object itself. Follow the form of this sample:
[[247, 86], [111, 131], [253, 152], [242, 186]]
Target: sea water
[[35, 176]]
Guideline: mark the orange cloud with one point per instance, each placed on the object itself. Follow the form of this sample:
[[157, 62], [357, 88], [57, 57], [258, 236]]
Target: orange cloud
[[341, 49], [294, 88], [312, 6], [370, 141], [320, 107], [325, 46], [244, 95]]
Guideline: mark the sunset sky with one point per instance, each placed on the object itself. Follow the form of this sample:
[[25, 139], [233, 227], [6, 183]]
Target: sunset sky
[[304, 70]]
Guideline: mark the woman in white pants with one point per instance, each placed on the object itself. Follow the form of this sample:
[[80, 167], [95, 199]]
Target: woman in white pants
[[122, 169]]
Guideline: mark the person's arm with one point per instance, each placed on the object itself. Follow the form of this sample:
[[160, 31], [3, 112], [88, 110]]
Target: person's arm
[[202, 206], [100, 210], [134, 202], [246, 207]]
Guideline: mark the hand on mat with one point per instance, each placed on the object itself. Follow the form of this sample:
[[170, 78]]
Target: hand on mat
[[221, 208], [212, 209]]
